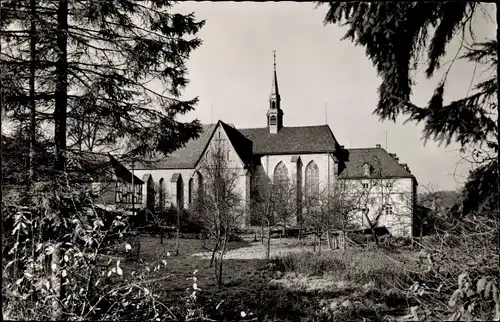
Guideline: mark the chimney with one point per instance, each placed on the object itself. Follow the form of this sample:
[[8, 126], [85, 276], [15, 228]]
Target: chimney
[[377, 146], [397, 159]]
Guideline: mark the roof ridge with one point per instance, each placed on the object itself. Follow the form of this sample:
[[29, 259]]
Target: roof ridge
[[284, 127]]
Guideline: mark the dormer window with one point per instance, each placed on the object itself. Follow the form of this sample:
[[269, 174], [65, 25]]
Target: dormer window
[[366, 169]]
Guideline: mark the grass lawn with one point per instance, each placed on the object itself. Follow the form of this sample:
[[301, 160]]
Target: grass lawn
[[286, 290]]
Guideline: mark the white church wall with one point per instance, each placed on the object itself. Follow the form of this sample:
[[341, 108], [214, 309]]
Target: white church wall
[[324, 162]]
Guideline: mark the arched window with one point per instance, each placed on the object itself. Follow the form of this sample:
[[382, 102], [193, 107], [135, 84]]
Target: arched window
[[199, 179], [180, 193], [190, 191], [281, 175], [312, 180], [161, 192], [272, 120], [150, 194], [273, 105]]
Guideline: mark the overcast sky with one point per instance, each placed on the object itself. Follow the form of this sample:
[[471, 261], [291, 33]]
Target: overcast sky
[[232, 72]]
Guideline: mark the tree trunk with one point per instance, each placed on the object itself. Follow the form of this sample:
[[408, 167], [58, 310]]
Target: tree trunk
[[178, 233], [498, 123], [223, 249], [61, 92], [268, 242], [214, 250], [319, 244], [32, 95], [328, 240], [161, 236], [60, 116]]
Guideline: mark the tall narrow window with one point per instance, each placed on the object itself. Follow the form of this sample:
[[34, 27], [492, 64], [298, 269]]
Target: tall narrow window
[[180, 193], [150, 194], [312, 180], [199, 189], [281, 175], [161, 193], [190, 191]]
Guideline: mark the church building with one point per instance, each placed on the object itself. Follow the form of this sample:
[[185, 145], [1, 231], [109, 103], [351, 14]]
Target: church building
[[308, 157]]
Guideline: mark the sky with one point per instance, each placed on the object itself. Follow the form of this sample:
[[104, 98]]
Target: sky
[[322, 80]]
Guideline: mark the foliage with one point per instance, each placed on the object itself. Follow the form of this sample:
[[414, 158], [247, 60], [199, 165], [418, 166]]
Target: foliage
[[459, 276], [64, 218], [395, 36], [109, 55]]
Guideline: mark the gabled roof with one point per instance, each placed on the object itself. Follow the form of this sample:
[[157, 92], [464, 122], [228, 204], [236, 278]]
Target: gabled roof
[[292, 140], [382, 163], [92, 166], [241, 144], [186, 157]]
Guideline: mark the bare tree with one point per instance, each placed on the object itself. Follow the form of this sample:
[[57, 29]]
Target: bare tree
[[383, 199], [274, 206], [220, 205]]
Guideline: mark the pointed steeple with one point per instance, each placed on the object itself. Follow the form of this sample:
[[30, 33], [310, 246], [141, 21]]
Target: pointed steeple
[[274, 114], [274, 90]]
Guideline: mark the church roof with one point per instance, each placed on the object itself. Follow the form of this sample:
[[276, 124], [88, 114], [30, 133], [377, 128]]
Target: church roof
[[186, 157], [382, 163], [241, 144], [292, 140]]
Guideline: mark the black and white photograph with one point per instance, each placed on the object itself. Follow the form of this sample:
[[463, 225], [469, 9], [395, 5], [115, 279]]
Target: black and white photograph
[[249, 161]]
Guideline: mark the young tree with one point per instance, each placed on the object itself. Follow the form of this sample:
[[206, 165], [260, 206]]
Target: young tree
[[395, 36], [220, 206], [273, 206], [341, 207]]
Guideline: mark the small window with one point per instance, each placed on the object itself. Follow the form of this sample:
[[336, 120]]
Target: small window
[[366, 169], [272, 120], [388, 211], [118, 192], [365, 185], [388, 184]]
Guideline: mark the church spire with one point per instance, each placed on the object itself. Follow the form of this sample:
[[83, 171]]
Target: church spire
[[274, 90], [274, 114]]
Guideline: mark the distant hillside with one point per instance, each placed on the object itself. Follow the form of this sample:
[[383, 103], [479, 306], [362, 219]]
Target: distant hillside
[[442, 199]]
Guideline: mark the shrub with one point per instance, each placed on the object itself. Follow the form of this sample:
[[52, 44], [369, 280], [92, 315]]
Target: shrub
[[93, 283], [359, 266], [460, 273]]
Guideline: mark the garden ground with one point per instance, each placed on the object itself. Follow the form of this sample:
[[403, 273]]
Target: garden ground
[[297, 285]]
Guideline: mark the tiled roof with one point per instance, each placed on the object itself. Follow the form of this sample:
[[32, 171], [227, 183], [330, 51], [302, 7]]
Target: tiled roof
[[186, 157], [248, 142], [292, 140], [241, 144], [100, 166], [382, 163]]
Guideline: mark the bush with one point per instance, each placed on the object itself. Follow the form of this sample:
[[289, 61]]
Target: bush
[[359, 266], [460, 272], [94, 283]]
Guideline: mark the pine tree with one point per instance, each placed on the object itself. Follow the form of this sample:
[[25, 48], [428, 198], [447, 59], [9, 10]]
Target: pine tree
[[95, 62], [395, 36]]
